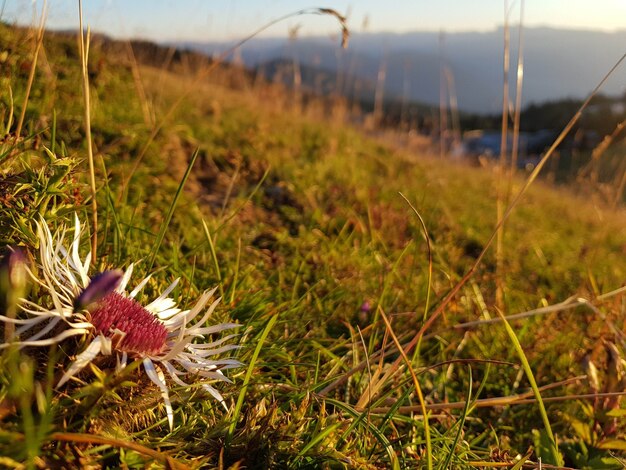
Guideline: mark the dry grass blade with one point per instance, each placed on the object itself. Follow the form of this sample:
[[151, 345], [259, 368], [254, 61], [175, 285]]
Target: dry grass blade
[[613, 293], [345, 32], [146, 108], [523, 399], [591, 169], [110, 441], [504, 136], [518, 96], [569, 303], [519, 399], [33, 67], [599, 150], [83, 45]]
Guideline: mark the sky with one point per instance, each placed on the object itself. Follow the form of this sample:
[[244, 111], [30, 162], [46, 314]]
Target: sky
[[228, 20]]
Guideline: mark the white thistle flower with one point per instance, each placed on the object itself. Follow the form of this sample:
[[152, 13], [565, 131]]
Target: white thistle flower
[[161, 335]]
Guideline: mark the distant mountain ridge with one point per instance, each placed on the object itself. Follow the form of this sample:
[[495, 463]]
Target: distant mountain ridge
[[558, 63]]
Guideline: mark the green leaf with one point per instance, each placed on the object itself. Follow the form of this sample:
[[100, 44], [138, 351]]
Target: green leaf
[[604, 463], [553, 456], [317, 439], [617, 413], [613, 444], [544, 446], [582, 429]]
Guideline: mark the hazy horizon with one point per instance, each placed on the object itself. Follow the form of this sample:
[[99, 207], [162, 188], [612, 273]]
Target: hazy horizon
[[166, 21], [331, 37], [558, 63]]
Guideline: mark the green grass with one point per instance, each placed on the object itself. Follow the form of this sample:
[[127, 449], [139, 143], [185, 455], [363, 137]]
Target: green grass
[[300, 222]]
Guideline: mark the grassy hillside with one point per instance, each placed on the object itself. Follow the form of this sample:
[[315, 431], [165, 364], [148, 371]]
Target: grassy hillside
[[298, 220]]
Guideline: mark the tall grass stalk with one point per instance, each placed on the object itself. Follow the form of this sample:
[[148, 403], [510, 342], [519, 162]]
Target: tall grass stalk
[[590, 170], [500, 203], [146, 109], [379, 92], [83, 46], [620, 190], [454, 105], [443, 113], [33, 68], [518, 97]]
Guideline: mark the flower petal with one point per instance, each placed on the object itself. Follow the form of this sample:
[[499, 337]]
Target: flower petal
[[83, 359], [139, 286], [215, 394], [156, 375], [162, 297], [47, 342], [121, 287]]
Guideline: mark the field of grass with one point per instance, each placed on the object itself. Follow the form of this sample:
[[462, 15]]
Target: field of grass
[[313, 234]]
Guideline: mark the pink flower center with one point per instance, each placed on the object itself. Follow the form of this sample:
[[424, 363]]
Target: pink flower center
[[141, 331]]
